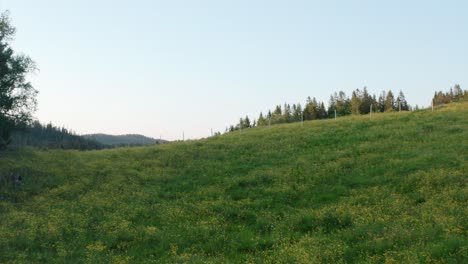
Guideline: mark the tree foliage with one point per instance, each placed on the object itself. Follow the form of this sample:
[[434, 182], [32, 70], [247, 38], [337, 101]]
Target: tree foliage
[[455, 94], [17, 95], [360, 103]]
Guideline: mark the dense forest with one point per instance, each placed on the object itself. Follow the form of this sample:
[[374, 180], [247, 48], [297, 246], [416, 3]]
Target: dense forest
[[51, 137], [48, 136]]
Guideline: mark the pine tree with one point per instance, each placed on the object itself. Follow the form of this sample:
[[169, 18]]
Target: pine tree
[[381, 103], [247, 123], [403, 103], [287, 116]]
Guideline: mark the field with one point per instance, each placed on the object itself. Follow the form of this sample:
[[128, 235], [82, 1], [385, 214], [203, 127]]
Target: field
[[389, 188]]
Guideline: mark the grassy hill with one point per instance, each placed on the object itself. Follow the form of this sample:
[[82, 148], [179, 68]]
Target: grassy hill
[[124, 140], [390, 188]]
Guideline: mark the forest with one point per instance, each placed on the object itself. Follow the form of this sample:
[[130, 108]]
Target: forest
[[360, 103]]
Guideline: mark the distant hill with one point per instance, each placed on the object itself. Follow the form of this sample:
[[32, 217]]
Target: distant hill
[[48, 136], [124, 140]]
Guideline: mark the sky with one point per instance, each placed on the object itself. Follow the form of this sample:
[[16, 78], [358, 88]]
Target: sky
[[164, 68]]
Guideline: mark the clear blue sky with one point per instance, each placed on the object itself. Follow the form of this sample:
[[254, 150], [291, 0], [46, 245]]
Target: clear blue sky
[[163, 67]]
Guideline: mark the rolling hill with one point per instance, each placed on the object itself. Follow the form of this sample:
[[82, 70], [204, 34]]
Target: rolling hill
[[124, 140], [391, 188]]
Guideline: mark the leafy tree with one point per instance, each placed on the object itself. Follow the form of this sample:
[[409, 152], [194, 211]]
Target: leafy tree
[[261, 120], [343, 104], [310, 109], [17, 95], [356, 100], [455, 94], [389, 102]]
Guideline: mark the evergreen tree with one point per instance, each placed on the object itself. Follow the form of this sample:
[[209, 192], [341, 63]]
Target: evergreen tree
[[332, 105], [381, 103], [287, 115], [402, 101], [366, 102], [247, 123], [322, 112]]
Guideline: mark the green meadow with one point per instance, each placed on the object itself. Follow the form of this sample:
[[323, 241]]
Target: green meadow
[[386, 188]]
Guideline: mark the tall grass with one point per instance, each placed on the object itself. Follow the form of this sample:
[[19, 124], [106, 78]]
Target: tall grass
[[387, 188]]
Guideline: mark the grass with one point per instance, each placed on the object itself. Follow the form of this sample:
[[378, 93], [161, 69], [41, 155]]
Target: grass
[[386, 189]]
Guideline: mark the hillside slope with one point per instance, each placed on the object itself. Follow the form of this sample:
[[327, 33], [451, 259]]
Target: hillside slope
[[390, 188]]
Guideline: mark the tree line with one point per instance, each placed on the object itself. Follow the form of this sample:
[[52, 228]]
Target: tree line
[[360, 103], [48, 136], [455, 94]]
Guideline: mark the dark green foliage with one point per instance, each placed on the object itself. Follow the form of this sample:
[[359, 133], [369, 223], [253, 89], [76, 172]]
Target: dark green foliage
[[17, 96], [51, 137], [123, 140]]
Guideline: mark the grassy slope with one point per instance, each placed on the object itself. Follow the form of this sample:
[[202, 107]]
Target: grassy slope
[[390, 188]]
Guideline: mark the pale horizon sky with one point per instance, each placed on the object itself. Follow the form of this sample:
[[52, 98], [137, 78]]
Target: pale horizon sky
[[164, 67]]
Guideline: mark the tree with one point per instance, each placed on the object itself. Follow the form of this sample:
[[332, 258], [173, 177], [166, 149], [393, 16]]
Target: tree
[[261, 120], [356, 101], [457, 93], [247, 123], [287, 113], [381, 103], [403, 104], [389, 102], [17, 95], [322, 112], [297, 112], [310, 109]]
